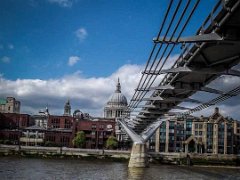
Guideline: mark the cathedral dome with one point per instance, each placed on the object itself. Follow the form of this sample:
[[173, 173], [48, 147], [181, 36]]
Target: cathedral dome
[[117, 99]]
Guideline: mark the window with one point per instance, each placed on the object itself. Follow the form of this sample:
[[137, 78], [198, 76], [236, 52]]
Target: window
[[162, 130], [171, 131], [171, 125], [55, 123], [68, 123], [162, 135], [94, 126], [210, 127], [220, 142], [189, 125], [101, 126], [101, 134], [163, 125], [162, 140], [196, 126]]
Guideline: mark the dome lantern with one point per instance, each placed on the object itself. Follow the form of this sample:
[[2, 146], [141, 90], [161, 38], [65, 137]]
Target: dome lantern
[[118, 87]]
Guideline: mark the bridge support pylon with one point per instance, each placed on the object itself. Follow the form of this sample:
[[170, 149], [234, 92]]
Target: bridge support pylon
[[139, 156]]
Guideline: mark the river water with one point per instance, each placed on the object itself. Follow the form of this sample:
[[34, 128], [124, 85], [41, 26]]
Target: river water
[[34, 169]]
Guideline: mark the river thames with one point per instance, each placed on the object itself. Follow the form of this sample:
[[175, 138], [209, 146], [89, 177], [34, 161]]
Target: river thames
[[33, 168]]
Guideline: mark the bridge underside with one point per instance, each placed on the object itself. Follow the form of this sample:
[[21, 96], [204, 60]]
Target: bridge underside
[[211, 53]]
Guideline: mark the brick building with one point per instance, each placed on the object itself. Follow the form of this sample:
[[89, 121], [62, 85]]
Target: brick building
[[59, 137], [11, 125], [10, 136], [97, 131], [63, 122], [14, 121], [45, 129]]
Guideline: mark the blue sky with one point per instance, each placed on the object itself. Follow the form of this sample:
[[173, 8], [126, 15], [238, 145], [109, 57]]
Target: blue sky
[[43, 35], [54, 50]]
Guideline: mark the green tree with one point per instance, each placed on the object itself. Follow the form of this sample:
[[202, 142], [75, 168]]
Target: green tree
[[79, 140], [112, 142]]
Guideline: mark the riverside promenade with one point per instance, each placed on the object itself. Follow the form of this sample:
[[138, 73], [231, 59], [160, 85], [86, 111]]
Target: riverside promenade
[[6, 150], [119, 155]]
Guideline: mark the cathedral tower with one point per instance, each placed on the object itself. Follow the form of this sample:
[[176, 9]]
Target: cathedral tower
[[67, 109]]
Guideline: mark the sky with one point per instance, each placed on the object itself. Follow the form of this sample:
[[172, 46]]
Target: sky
[[55, 50]]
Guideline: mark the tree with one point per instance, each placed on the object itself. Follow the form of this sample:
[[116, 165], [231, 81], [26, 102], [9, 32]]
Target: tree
[[112, 142], [79, 140]]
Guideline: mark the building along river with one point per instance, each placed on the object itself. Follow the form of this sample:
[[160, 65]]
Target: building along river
[[37, 168]]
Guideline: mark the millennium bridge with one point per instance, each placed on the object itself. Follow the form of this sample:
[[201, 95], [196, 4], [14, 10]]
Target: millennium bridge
[[169, 79]]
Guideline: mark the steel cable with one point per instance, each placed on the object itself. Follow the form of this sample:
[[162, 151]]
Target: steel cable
[[184, 26]]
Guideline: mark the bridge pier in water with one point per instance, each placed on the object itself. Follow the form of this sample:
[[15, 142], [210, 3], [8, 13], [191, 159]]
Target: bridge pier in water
[[139, 156]]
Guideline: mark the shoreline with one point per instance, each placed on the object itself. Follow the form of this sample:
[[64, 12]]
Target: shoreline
[[106, 159]]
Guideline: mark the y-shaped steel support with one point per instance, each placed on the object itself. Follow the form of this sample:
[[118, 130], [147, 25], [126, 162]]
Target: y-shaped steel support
[[139, 156]]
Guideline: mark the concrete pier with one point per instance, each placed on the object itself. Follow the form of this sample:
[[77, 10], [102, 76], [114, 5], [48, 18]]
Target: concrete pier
[[139, 156]]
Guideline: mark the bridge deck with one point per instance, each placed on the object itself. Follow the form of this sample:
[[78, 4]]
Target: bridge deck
[[205, 61]]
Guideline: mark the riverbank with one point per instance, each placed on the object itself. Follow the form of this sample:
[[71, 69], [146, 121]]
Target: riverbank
[[119, 155], [195, 159]]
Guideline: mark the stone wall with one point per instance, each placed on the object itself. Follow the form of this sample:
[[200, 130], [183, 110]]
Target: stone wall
[[62, 152], [195, 159]]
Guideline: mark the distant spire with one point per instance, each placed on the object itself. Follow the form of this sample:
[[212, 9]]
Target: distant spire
[[47, 111], [118, 87]]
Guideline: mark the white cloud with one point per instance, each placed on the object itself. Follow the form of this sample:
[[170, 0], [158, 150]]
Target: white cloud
[[81, 34], [62, 3], [87, 94], [5, 59], [91, 94], [73, 60]]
